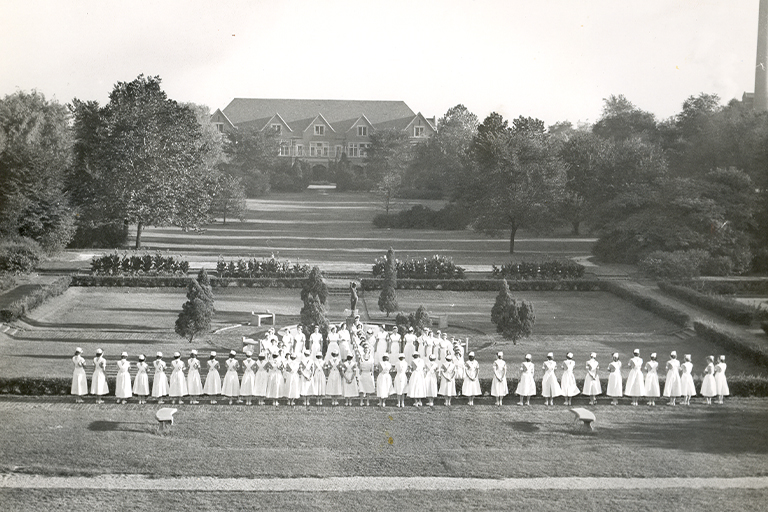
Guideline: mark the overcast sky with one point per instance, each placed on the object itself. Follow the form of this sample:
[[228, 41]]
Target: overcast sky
[[555, 60]]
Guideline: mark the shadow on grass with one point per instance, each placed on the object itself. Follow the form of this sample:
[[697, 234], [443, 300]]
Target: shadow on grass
[[121, 426], [523, 426], [87, 326], [100, 341]]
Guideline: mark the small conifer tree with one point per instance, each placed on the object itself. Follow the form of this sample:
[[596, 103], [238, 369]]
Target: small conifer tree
[[514, 319], [195, 316], [388, 296], [314, 295]]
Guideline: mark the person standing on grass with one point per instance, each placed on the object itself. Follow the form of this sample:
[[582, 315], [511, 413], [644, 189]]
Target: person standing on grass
[[306, 376], [410, 345], [652, 389], [568, 381], [687, 388], [194, 384], [141, 382], [526, 387], [260, 379], [401, 379], [708, 385], [635, 386], [349, 385], [333, 386], [447, 380], [318, 379], [212, 386], [248, 384], [299, 338], [384, 381], [471, 386], [592, 386], [274, 378], [365, 367], [123, 381], [614, 379], [417, 389], [315, 342], [672, 386], [231, 385], [293, 382], [79, 379], [394, 342], [333, 343], [430, 379], [178, 387], [160, 380], [722, 384], [499, 387], [549, 386], [99, 385]]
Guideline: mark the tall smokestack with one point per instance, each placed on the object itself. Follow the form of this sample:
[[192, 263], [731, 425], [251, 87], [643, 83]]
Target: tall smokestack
[[761, 69]]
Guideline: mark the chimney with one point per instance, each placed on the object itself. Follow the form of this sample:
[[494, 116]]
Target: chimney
[[761, 68]]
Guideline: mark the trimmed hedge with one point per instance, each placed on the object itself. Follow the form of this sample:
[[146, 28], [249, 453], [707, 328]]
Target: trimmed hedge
[[485, 285], [436, 267], [727, 287], [727, 308], [449, 218], [730, 342], [740, 386], [20, 307], [182, 281], [667, 312], [546, 270], [267, 267], [138, 264]]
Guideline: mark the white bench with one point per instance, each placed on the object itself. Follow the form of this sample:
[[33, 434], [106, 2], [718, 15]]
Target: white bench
[[165, 417], [584, 415], [440, 320], [263, 316]]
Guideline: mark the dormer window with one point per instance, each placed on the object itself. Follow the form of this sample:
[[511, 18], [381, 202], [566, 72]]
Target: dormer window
[[418, 131], [219, 127], [362, 131], [319, 129], [278, 129]]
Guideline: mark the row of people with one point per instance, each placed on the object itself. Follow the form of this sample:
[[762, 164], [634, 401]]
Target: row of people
[[276, 375]]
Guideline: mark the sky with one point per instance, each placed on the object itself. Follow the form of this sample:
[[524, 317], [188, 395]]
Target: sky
[[552, 59]]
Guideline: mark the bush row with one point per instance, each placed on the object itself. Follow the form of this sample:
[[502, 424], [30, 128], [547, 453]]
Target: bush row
[[486, 285], [435, 267], [740, 386], [448, 218], [19, 255], [692, 263], [727, 308], [547, 270], [20, 307], [137, 264], [649, 303], [142, 281], [267, 267], [726, 287], [731, 342]]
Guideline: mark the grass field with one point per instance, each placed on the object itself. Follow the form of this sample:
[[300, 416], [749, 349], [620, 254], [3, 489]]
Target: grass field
[[141, 321]]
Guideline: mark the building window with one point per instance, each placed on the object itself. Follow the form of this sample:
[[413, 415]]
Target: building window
[[285, 149], [338, 151], [318, 149], [299, 150], [319, 129], [418, 131], [362, 131], [364, 149], [352, 149], [278, 129], [219, 127]]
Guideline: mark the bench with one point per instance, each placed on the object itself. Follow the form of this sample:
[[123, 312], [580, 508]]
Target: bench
[[263, 316], [165, 417], [584, 415], [441, 321]]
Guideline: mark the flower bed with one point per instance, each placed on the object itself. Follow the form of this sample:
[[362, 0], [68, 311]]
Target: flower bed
[[136, 263], [436, 267], [267, 267], [546, 270]]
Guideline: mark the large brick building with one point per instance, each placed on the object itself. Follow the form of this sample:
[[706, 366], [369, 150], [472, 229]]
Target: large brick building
[[321, 130]]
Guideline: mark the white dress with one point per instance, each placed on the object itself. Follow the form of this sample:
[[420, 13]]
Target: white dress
[[721, 383], [178, 386], [141, 382], [499, 386], [448, 381], [410, 347], [526, 386], [430, 379], [213, 379], [231, 385], [318, 377], [592, 384], [123, 381], [384, 380], [394, 345], [416, 384], [401, 377], [568, 381], [471, 384], [549, 385], [315, 344], [652, 388], [274, 378], [367, 384], [614, 380], [79, 379], [672, 386], [687, 388], [160, 380], [708, 385], [349, 381], [194, 384], [293, 382], [333, 385], [99, 379], [260, 380], [248, 384], [635, 385]]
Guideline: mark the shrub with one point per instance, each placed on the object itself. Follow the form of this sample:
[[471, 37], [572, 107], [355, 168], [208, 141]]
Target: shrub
[[731, 342], [727, 308], [486, 285], [449, 218], [267, 267], [764, 325], [436, 267], [19, 255], [420, 193], [649, 303], [108, 236], [674, 265], [22, 306], [548, 270], [514, 319], [7, 281], [388, 296], [137, 263]]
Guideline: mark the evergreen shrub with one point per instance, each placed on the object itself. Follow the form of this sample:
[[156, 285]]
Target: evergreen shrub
[[545, 270]]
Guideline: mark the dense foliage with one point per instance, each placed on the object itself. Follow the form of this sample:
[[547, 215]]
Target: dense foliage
[[24, 305], [266, 267], [137, 264], [314, 296], [514, 319], [723, 306], [388, 295], [546, 270], [196, 313], [451, 217], [434, 267]]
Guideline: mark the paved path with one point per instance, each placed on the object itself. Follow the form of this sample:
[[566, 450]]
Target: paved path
[[341, 484]]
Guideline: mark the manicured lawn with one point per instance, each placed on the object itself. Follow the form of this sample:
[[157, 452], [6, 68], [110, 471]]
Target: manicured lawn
[[56, 437]]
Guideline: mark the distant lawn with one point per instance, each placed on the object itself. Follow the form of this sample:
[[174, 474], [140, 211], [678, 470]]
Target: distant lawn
[[56, 437], [141, 320]]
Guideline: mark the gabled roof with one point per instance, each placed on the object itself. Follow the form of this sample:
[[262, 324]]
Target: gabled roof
[[325, 121], [241, 110], [220, 116], [356, 122], [397, 124], [279, 119]]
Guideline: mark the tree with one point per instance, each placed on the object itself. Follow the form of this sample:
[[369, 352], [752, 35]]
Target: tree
[[419, 320], [229, 197], [386, 161], [195, 316], [314, 295], [145, 157], [388, 296], [35, 157], [516, 179], [514, 319], [622, 120], [252, 156], [205, 285]]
